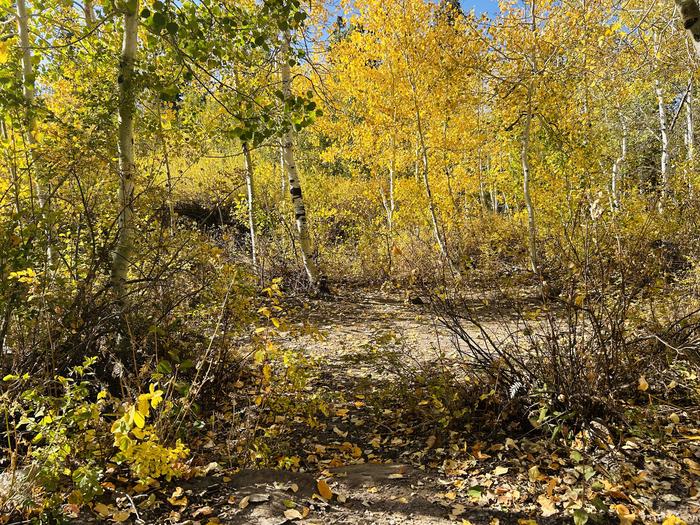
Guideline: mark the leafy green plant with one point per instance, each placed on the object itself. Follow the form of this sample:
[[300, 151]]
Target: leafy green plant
[[59, 427], [139, 444]]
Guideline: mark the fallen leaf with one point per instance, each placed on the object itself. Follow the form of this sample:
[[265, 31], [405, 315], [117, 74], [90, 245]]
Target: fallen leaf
[[626, 517], [643, 385], [71, 509], [580, 517], [457, 510], [293, 514], [499, 471], [203, 511], [547, 505], [102, 509], [121, 516], [324, 490], [533, 473]]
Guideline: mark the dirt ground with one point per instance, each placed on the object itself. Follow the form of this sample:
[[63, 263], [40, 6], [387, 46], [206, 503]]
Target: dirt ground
[[364, 463]]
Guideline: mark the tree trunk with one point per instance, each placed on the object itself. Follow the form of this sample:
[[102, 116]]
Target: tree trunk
[[525, 161], [283, 172], [524, 157], [43, 190], [390, 203], [251, 201], [294, 183], [89, 13], [689, 125], [423, 149], [690, 14], [663, 130], [617, 166], [127, 166]]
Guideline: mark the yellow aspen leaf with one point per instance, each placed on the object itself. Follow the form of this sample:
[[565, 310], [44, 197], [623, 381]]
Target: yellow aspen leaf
[[324, 490], [143, 406], [623, 513], [643, 385], [672, 519], [139, 420]]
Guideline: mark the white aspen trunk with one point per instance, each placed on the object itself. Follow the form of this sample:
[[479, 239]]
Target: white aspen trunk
[[127, 165], [689, 126], [663, 131], [690, 14], [248, 166], [689, 140], [294, 183], [390, 205], [426, 183], [283, 170], [482, 187], [43, 190], [616, 169], [392, 174], [525, 161], [416, 163], [248, 162]]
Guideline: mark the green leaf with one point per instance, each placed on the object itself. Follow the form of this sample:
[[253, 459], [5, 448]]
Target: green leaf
[[172, 28], [164, 367], [475, 491], [580, 517], [159, 21], [145, 13]]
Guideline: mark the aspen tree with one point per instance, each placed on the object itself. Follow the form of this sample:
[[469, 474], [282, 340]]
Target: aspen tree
[[525, 148], [248, 166], [121, 257], [43, 189], [663, 137], [293, 177]]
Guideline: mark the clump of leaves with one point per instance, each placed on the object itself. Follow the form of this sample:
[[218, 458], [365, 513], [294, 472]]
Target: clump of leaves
[[58, 428], [139, 445]]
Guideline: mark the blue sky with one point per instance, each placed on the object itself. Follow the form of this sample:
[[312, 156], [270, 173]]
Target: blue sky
[[479, 6]]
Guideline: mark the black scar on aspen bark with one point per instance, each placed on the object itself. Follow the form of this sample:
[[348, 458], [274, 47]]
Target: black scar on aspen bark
[[295, 192], [299, 216], [690, 13]]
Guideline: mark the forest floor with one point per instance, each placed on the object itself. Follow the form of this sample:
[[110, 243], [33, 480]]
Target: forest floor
[[385, 457]]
